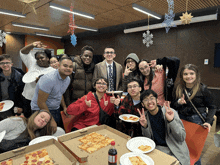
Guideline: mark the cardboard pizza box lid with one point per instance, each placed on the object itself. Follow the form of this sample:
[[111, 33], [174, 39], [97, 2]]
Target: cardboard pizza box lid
[[71, 142], [55, 150]]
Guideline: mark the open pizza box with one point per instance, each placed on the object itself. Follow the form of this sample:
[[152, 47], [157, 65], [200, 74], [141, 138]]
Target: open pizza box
[[56, 152], [71, 142]]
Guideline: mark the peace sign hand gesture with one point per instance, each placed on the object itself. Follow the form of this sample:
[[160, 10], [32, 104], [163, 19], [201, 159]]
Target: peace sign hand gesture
[[142, 118], [169, 113], [88, 103], [127, 70], [182, 100]]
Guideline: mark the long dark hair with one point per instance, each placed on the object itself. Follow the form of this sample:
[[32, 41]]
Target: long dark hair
[[151, 75]]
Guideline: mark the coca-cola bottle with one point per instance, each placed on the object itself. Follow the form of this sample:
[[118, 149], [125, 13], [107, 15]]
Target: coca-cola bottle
[[112, 154]]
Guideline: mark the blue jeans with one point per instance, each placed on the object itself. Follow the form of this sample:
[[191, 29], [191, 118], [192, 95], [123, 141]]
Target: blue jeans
[[194, 119]]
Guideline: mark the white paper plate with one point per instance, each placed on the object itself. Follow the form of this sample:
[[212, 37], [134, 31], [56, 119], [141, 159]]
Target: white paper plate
[[2, 135], [41, 139], [134, 143], [124, 159], [128, 115], [8, 105], [31, 76], [115, 92]]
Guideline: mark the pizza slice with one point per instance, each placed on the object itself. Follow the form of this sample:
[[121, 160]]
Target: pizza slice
[[1, 106], [7, 162]]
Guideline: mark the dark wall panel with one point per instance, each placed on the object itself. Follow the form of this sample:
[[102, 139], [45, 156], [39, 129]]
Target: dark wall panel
[[191, 43]]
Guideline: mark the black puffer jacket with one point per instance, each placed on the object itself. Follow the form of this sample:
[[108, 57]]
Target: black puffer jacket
[[81, 81]]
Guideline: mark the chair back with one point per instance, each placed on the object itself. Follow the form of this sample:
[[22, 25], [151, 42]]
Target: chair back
[[195, 139]]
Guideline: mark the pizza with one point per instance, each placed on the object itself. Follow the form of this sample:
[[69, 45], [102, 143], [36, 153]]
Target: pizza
[[93, 142], [1, 106], [7, 162], [38, 158], [130, 118], [144, 147], [136, 160]]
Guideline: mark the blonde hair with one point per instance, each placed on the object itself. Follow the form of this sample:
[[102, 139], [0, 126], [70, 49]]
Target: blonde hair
[[181, 85], [46, 130]]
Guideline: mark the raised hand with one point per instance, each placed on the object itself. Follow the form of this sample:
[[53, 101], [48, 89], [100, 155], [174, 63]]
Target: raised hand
[[169, 113], [112, 99], [39, 44], [159, 68], [117, 101], [182, 100], [105, 102], [88, 103], [142, 118], [127, 70], [153, 63]]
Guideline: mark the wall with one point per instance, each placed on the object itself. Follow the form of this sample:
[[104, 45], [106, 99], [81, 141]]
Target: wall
[[191, 43], [13, 44]]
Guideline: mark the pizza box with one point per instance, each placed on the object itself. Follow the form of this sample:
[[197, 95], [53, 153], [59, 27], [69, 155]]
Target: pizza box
[[55, 150], [71, 142]]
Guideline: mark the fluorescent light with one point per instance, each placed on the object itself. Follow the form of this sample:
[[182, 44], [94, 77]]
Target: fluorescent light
[[146, 11], [76, 12], [86, 28], [12, 13], [177, 22], [8, 32], [30, 26], [48, 35]]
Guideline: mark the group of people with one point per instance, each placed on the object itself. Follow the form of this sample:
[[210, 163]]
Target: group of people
[[85, 89]]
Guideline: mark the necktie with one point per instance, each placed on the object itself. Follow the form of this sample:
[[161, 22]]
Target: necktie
[[111, 85]]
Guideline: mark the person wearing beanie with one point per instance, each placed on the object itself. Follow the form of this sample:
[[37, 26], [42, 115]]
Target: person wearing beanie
[[131, 69]]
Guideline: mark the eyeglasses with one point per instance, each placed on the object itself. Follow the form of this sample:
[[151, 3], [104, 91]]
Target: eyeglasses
[[5, 63], [109, 52], [145, 67], [150, 99], [86, 56], [134, 86], [99, 83]]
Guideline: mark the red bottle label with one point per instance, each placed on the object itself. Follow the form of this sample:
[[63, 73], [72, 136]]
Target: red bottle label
[[112, 158]]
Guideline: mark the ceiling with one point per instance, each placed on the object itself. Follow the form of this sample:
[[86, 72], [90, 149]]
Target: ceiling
[[108, 14]]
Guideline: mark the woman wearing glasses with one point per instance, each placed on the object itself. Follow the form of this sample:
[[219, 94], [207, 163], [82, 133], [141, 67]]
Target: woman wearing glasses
[[87, 107], [156, 78]]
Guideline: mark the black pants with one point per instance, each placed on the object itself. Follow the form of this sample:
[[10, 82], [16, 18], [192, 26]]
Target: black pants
[[27, 107]]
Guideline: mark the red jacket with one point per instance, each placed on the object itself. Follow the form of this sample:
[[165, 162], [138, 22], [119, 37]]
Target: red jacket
[[89, 115]]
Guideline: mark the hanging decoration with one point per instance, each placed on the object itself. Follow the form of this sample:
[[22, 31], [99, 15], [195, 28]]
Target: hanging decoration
[[148, 37], [2, 38], [30, 3], [169, 17], [72, 27], [186, 18]]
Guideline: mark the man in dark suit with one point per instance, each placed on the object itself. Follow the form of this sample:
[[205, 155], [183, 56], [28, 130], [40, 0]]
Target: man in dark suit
[[109, 69]]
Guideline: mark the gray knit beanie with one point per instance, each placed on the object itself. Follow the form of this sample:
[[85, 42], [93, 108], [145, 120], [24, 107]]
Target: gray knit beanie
[[132, 56]]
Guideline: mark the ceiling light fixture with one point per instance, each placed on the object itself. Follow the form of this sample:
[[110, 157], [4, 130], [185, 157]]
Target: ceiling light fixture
[[177, 22], [30, 26], [47, 35], [146, 11], [12, 13], [86, 28], [76, 12]]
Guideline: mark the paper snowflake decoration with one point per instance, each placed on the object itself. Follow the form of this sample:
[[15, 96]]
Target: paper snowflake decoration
[[147, 38], [169, 17], [73, 39], [2, 38], [186, 18]]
